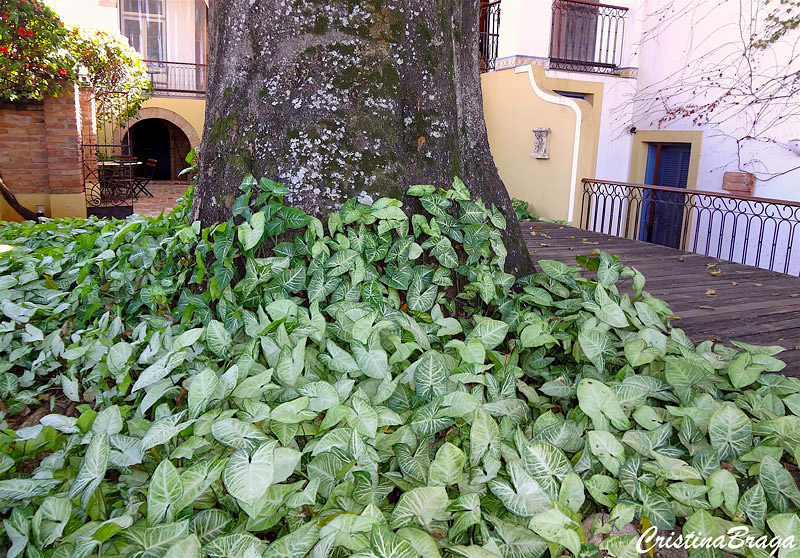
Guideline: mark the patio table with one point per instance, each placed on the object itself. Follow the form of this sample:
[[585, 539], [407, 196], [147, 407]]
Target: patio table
[[116, 179]]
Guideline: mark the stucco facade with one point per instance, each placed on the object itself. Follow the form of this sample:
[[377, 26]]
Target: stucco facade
[[666, 47], [184, 110]]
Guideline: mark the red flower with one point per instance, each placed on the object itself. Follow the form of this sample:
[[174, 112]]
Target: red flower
[[4, 49], [6, 16], [22, 31], [62, 71], [30, 33]]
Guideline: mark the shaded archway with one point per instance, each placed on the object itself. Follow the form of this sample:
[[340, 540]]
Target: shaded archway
[[159, 139]]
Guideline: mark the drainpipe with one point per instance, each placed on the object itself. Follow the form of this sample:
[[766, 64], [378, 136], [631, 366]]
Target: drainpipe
[[566, 102]]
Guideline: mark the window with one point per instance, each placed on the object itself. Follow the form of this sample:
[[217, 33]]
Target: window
[[573, 95], [663, 213], [488, 34], [586, 36], [143, 23]]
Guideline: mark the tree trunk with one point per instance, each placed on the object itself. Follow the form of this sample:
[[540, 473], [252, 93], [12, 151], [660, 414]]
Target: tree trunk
[[345, 99], [11, 200]]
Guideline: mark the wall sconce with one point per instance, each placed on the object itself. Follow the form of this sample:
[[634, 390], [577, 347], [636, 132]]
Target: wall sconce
[[541, 137]]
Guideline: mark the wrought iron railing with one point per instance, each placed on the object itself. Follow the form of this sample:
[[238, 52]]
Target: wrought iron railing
[[489, 34], [586, 36], [177, 78], [103, 167], [761, 232]]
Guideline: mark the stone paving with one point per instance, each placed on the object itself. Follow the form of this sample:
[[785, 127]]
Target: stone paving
[[165, 195]]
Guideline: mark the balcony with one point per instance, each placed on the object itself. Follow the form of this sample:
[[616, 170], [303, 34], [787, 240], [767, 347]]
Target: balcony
[[489, 34], [181, 79], [758, 232], [586, 36]]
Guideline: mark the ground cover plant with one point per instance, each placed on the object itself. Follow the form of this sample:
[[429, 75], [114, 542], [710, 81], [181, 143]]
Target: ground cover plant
[[372, 386]]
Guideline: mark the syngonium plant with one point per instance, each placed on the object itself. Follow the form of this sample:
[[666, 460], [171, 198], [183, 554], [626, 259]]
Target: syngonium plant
[[375, 387]]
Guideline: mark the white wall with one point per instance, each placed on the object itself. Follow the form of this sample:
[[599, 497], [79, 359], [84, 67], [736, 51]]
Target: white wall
[[670, 42], [525, 27], [673, 43], [694, 37], [86, 13], [180, 23]]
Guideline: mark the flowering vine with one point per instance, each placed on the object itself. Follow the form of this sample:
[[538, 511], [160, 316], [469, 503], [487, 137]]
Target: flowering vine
[[39, 56]]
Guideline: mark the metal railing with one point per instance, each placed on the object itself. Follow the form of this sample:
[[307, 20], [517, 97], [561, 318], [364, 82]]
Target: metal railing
[[103, 171], [586, 36], [178, 78], [489, 34], [753, 231]]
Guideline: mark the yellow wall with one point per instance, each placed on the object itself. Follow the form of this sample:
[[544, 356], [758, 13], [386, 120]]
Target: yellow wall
[[192, 109], [55, 205], [512, 109]]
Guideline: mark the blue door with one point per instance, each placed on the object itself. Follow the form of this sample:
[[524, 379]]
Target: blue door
[[663, 212]]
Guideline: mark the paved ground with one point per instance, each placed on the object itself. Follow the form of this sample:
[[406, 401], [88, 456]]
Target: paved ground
[[711, 298], [165, 193]]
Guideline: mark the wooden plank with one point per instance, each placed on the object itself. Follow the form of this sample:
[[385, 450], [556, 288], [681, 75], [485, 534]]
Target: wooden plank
[[772, 307], [759, 308]]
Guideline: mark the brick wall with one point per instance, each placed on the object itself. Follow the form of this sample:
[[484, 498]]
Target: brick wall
[[40, 143], [23, 153]]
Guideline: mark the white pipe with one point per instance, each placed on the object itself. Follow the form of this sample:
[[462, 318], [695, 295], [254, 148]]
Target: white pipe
[[567, 102]]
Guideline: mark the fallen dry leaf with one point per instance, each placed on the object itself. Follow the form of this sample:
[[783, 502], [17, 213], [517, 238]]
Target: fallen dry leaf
[[734, 283], [544, 244], [709, 266], [757, 284], [794, 295], [710, 292], [716, 272], [705, 307], [538, 227]]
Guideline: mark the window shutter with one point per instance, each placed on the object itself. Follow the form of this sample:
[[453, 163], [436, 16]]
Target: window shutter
[[669, 210]]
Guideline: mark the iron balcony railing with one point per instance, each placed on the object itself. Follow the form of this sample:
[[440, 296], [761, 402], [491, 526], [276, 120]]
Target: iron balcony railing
[[586, 36], [177, 78], [753, 231], [489, 34]]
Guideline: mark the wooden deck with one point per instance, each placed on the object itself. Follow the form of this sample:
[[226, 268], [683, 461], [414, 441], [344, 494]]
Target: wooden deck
[[711, 298]]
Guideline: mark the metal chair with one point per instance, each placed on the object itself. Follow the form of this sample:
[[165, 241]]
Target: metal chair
[[140, 183]]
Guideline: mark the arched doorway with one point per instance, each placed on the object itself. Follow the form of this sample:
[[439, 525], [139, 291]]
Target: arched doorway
[[159, 139]]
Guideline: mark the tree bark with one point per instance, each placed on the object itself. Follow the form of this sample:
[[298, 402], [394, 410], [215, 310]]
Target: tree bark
[[347, 98], [12, 200]]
